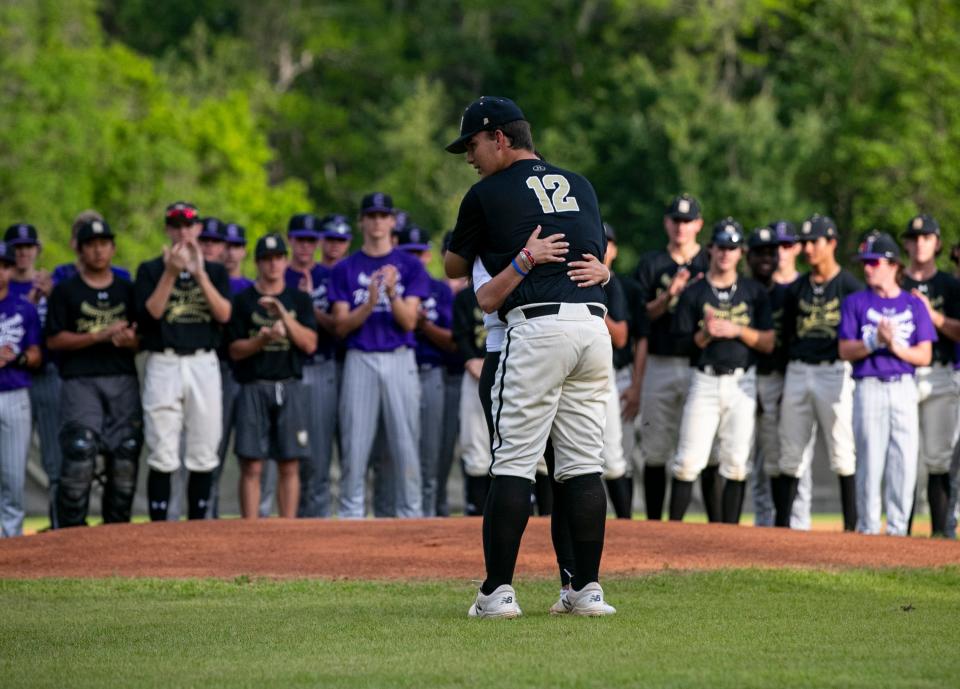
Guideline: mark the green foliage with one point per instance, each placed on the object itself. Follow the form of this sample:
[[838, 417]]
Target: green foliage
[[743, 628]]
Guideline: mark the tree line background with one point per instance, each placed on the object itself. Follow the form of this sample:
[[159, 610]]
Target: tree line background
[[257, 109]]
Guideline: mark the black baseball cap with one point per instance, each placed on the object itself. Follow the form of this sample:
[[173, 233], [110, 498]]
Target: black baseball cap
[[93, 229], [235, 234], [6, 254], [817, 226], [763, 237], [402, 219], [270, 245], [335, 226], [727, 233], [303, 226], [412, 238], [683, 207], [484, 114], [785, 230], [609, 232], [922, 224], [181, 213], [212, 228], [21, 234], [377, 202], [878, 245]]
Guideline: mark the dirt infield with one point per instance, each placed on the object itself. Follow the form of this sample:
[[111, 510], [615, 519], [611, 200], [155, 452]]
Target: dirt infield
[[432, 549]]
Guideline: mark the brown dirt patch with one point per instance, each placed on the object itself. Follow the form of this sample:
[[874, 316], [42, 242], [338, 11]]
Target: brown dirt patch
[[432, 549]]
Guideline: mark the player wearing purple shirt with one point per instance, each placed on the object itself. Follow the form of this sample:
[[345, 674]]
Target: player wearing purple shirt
[[886, 332], [19, 351], [376, 295]]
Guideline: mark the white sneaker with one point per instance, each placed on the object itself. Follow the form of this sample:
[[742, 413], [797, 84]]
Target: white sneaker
[[501, 603], [589, 602], [562, 606]]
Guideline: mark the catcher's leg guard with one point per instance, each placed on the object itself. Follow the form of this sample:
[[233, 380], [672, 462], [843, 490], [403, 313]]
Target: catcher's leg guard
[[121, 484], [79, 446]]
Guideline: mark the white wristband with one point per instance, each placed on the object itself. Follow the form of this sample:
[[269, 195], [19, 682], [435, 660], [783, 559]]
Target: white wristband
[[870, 342]]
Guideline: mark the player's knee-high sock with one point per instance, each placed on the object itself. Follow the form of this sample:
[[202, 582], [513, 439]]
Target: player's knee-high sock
[[938, 493], [476, 488], [621, 496], [504, 519], [158, 494], [654, 488], [848, 502], [733, 492], [680, 494], [559, 524], [712, 486], [198, 493], [784, 489], [543, 490], [586, 505]]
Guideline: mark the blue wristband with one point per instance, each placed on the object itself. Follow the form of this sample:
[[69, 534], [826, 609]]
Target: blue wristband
[[517, 268]]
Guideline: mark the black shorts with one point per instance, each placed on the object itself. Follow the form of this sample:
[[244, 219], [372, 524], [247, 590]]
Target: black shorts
[[107, 405], [271, 421]]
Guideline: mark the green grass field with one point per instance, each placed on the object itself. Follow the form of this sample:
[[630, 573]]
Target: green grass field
[[743, 628]]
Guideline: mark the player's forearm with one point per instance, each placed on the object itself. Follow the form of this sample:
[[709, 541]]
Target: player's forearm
[[639, 363], [405, 311], [701, 339], [455, 266], [658, 306], [853, 350], [346, 321], [949, 327], [919, 354], [220, 306], [245, 348], [302, 337], [619, 333], [156, 303], [761, 340], [325, 321], [65, 341], [442, 338], [491, 296]]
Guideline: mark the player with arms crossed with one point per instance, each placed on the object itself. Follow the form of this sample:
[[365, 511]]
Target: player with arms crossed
[[887, 333], [553, 374]]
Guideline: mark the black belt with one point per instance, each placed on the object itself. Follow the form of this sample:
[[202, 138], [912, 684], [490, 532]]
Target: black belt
[[553, 309], [814, 362], [720, 370], [183, 351]]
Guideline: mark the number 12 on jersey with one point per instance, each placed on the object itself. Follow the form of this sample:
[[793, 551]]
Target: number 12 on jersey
[[560, 201]]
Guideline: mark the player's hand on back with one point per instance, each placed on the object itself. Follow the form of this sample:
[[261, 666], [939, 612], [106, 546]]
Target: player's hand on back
[[588, 272], [550, 249]]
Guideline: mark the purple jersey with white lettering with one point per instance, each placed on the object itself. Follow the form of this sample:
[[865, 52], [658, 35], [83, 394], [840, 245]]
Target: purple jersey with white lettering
[[19, 329], [349, 282], [238, 284], [861, 312], [438, 309], [319, 296]]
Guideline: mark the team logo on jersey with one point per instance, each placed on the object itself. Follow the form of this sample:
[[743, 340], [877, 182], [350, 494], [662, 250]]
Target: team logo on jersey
[[818, 318], [102, 296], [903, 325], [94, 319], [12, 332], [187, 305], [539, 168]]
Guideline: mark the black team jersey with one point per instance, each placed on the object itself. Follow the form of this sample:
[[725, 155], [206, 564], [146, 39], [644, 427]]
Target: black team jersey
[[654, 274], [280, 360], [776, 361], [187, 323], [76, 307], [499, 212], [943, 291], [811, 314], [745, 303], [469, 332], [618, 309]]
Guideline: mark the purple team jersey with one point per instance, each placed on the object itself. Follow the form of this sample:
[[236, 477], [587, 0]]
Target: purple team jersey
[[319, 296], [19, 329], [65, 271], [861, 312], [348, 283], [438, 309], [238, 284]]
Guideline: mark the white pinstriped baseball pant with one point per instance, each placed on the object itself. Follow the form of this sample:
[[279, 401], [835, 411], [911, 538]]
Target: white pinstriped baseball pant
[[15, 433]]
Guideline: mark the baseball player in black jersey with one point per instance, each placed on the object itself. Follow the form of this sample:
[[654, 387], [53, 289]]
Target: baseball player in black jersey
[[818, 387], [555, 365], [723, 320], [182, 301], [272, 332], [663, 275], [936, 387], [91, 323]]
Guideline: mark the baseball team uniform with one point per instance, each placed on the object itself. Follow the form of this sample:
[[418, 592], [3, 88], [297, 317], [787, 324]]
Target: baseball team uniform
[[19, 330], [885, 411], [818, 387], [101, 412], [379, 378], [616, 467]]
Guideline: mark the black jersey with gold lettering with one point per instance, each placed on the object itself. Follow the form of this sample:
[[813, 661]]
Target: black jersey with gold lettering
[[811, 314], [746, 303], [500, 212], [187, 323], [943, 292], [76, 307]]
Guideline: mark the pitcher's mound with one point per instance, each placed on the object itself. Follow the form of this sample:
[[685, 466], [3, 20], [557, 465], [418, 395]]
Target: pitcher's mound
[[432, 549]]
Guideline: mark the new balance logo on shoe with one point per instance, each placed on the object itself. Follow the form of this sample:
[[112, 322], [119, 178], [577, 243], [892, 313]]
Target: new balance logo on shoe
[[596, 598], [506, 600]]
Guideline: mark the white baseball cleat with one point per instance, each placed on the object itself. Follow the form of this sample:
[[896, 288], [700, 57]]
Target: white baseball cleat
[[589, 602], [562, 606], [501, 603]]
